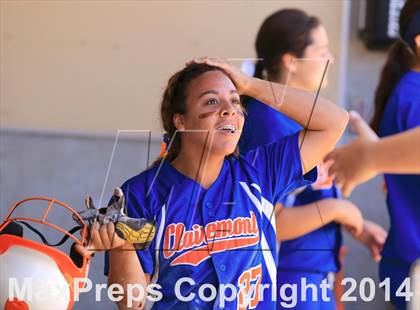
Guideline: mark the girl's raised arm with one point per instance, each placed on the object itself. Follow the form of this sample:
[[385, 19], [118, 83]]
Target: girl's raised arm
[[324, 121]]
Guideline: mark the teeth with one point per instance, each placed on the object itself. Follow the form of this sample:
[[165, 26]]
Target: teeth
[[231, 128]]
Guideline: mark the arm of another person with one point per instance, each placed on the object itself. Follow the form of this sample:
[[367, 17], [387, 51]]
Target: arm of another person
[[364, 158], [297, 221], [398, 153]]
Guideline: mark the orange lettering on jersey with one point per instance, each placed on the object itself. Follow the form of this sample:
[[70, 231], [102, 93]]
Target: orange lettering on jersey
[[215, 237]]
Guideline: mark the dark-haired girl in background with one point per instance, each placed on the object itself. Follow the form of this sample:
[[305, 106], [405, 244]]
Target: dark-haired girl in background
[[397, 117], [397, 109], [310, 231]]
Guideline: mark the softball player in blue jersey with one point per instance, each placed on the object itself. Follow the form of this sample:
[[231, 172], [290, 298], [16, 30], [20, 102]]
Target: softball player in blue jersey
[[310, 245], [397, 109], [213, 208]]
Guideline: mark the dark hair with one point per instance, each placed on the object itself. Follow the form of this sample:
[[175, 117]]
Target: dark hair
[[174, 102], [285, 31], [399, 61]]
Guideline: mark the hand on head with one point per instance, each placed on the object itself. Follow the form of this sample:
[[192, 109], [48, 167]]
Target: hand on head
[[240, 79]]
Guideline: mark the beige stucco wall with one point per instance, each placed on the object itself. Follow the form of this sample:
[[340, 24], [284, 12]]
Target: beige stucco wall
[[102, 65]]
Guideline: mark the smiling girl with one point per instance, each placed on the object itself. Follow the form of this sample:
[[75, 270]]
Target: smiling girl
[[213, 207]]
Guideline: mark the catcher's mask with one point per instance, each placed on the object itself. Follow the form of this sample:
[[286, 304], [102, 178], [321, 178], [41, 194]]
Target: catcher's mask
[[49, 270]]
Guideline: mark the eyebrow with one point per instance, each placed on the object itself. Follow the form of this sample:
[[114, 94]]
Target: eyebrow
[[233, 91]]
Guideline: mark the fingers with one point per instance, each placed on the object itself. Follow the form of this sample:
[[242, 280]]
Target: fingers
[[94, 242], [376, 249], [82, 250], [114, 239], [323, 181], [338, 173], [110, 229], [89, 203], [201, 60], [209, 61], [100, 240], [330, 157], [332, 171], [373, 237], [339, 182], [356, 122], [379, 234], [105, 240], [347, 189], [376, 253], [104, 237], [361, 128], [380, 238], [332, 165]]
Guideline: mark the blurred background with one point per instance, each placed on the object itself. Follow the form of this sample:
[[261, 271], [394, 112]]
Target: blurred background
[[81, 81]]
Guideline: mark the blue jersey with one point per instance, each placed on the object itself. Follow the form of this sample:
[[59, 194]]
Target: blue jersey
[[264, 125], [402, 112], [223, 235], [316, 251]]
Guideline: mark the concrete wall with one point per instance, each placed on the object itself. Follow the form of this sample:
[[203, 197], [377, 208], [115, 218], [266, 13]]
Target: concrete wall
[[102, 65]]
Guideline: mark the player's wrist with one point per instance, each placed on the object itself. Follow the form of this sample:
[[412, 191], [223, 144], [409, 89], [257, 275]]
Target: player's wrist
[[378, 156], [247, 86], [341, 208], [126, 246], [330, 209], [252, 87], [371, 156]]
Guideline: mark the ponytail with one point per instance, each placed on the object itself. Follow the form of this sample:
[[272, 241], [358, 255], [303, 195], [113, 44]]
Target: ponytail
[[259, 69], [400, 60], [285, 31]]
